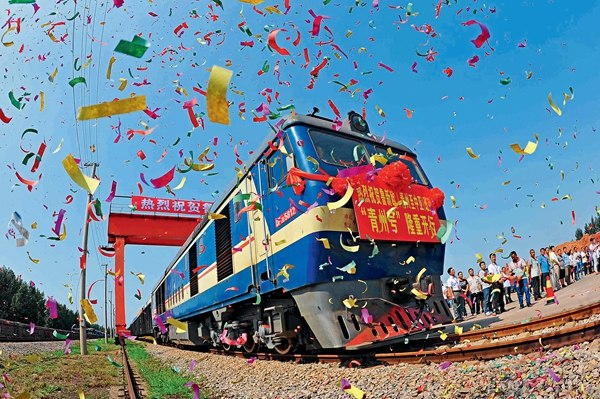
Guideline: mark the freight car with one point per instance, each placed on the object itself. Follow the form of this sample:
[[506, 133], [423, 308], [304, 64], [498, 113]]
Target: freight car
[[330, 238], [14, 331]]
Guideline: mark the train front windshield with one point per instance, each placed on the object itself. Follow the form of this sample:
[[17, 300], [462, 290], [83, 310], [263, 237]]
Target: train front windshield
[[346, 152]]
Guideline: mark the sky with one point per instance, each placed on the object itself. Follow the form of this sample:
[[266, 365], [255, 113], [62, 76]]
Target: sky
[[542, 46]]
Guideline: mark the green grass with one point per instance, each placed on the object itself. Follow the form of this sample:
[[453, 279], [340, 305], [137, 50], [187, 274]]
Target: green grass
[[56, 375], [163, 382]]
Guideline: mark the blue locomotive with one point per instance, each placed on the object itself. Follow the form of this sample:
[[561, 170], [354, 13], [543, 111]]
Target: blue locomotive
[[330, 238]]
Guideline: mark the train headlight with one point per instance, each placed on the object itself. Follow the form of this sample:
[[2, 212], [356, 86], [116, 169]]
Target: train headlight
[[357, 123]]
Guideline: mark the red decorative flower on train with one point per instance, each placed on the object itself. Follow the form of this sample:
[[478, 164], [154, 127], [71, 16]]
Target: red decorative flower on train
[[437, 197], [395, 175]]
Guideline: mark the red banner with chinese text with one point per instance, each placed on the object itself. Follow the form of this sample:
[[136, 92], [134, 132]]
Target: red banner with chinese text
[[167, 205], [411, 219]]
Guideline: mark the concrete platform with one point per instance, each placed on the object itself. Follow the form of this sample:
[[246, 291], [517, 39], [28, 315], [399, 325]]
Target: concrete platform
[[583, 292]]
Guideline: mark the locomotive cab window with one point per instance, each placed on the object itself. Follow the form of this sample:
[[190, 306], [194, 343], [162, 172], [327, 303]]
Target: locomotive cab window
[[337, 150], [279, 163], [415, 169]]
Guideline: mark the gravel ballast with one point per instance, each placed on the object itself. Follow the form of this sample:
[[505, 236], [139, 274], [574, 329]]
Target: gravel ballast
[[570, 372]]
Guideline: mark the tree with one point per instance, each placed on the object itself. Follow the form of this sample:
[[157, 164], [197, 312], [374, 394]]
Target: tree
[[28, 305], [578, 234], [8, 289]]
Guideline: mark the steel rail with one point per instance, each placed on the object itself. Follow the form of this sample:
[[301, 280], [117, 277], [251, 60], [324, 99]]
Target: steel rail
[[489, 348], [132, 391]]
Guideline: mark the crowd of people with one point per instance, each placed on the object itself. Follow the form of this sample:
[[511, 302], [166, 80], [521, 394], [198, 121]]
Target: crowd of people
[[489, 288]]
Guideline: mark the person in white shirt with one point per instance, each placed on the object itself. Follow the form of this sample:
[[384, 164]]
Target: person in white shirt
[[454, 284], [595, 254], [554, 268], [486, 288], [518, 268], [497, 294], [535, 273], [476, 294]]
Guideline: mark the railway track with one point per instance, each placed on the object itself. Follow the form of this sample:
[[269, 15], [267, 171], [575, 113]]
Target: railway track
[[482, 344], [132, 389]]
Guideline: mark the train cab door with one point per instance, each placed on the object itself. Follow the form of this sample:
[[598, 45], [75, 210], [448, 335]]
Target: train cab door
[[261, 243], [253, 227], [276, 202]]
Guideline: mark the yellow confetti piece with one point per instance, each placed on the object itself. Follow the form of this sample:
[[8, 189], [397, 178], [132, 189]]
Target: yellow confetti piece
[[216, 95], [283, 272], [273, 10], [553, 105], [89, 311], [325, 242], [123, 84], [506, 183], [453, 200], [36, 261], [7, 44], [380, 111], [42, 101], [458, 330], [216, 216], [53, 76], [410, 260], [471, 153], [24, 395], [478, 257], [350, 302], [443, 336], [528, 150], [154, 341], [280, 242], [81, 395], [421, 273], [70, 298], [418, 294], [109, 69], [88, 183], [181, 184], [342, 201], [354, 391], [378, 158], [366, 286], [349, 248], [253, 2], [109, 108], [181, 326]]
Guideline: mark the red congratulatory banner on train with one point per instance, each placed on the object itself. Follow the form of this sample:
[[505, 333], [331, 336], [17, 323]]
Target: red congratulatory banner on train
[[167, 205], [411, 219]]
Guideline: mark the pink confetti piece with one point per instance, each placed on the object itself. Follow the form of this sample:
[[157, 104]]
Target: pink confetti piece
[[52, 309], [113, 192], [31, 328], [192, 365], [160, 324], [473, 61], [552, 374], [445, 365], [483, 37], [196, 389]]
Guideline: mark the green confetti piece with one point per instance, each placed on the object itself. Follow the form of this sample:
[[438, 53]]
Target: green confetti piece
[[77, 80], [21, 1], [17, 103], [135, 48], [505, 81], [58, 335], [74, 16]]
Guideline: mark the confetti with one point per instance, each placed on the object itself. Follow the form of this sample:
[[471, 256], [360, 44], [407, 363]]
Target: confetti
[[216, 95], [111, 108]]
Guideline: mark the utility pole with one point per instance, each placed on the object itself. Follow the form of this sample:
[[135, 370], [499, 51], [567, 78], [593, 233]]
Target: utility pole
[[105, 310], [82, 284], [112, 331]]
